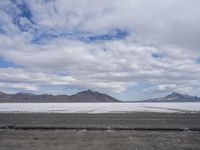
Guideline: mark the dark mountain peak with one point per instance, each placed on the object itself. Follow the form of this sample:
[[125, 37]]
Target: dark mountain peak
[[86, 92], [174, 94], [179, 95], [2, 93], [176, 97], [92, 96]]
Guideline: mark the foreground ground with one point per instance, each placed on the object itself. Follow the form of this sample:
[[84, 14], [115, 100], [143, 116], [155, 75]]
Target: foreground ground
[[138, 131], [98, 140]]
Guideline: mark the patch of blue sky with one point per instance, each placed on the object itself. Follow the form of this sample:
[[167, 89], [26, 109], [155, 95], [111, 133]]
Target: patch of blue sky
[[157, 55], [198, 60], [2, 31], [5, 63], [115, 34], [43, 36], [24, 9]]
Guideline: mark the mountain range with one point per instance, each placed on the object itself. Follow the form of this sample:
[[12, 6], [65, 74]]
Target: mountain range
[[86, 96], [175, 97]]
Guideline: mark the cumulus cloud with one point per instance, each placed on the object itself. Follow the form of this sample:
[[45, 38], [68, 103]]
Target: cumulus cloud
[[110, 46], [18, 86]]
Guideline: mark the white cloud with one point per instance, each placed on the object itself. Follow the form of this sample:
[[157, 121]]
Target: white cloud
[[155, 21], [166, 88], [169, 28], [18, 86], [26, 79]]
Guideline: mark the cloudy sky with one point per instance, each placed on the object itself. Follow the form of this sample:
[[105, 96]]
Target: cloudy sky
[[130, 49]]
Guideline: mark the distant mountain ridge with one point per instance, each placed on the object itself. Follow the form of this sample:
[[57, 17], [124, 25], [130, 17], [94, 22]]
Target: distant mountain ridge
[[84, 96], [175, 97]]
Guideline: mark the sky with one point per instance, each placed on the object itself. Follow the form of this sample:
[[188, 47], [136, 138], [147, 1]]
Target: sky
[[130, 49]]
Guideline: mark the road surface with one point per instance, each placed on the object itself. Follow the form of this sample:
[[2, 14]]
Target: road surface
[[137, 131]]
